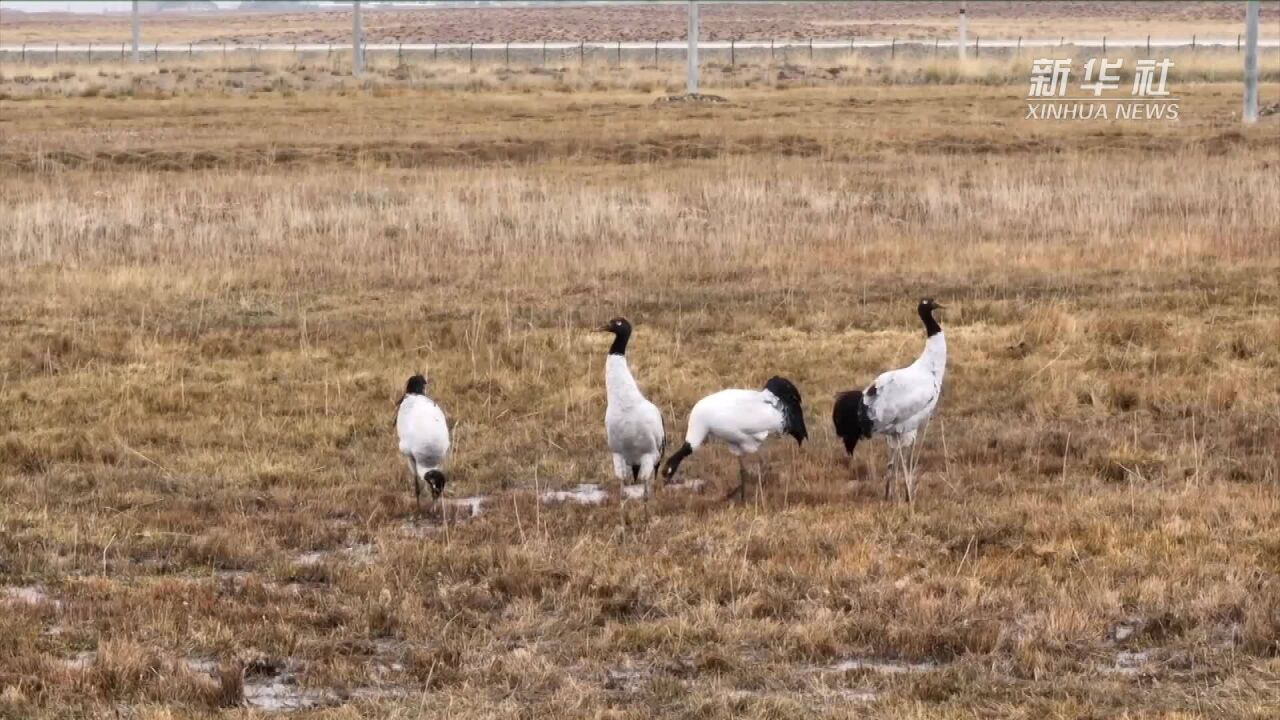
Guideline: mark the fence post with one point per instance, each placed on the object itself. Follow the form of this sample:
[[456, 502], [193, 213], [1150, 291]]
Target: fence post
[[1061, 40], [506, 58], [399, 53], [189, 48], [544, 53], [770, 49], [893, 48], [810, 50], [155, 51], [1019, 45], [1237, 43], [122, 51], [582, 53], [1149, 45], [733, 58], [471, 56], [655, 53], [935, 47], [55, 53], [618, 55], [435, 51], [977, 46], [90, 53], [1104, 44], [1193, 43]]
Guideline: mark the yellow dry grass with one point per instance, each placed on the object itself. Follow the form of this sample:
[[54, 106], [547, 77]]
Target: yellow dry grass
[[213, 300]]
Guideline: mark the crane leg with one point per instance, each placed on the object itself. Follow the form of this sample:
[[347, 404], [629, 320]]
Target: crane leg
[[760, 482], [910, 468], [417, 486], [740, 490], [891, 475]]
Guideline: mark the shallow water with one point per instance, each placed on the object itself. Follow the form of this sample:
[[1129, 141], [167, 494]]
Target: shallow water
[[888, 667], [466, 507], [361, 554], [584, 494]]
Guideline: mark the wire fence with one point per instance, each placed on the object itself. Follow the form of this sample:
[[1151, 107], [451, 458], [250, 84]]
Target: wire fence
[[655, 52]]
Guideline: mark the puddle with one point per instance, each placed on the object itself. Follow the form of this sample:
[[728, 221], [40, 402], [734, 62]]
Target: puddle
[[625, 679], [467, 507], [281, 695], [31, 595], [80, 661], [585, 494], [1129, 663], [885, 667], [202, 665], [361, 554], [1123, 632]]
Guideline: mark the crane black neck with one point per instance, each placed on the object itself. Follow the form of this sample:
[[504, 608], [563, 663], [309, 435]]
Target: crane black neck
[[620, 338], [931, 326]]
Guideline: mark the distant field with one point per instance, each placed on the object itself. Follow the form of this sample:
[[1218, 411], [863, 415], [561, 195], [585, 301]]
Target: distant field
[[215, 292], [754, 21]]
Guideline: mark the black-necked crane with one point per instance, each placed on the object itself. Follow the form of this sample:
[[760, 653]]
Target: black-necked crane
[[742, 420], [632, 424], [898, 404], [424, 439]]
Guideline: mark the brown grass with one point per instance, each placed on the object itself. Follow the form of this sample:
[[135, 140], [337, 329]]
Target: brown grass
[[213, 301]]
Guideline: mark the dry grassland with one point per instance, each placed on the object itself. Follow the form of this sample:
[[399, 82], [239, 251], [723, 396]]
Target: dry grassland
[[213, 298]]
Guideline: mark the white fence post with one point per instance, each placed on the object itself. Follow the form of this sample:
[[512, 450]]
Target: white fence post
[[357, 40], [964, 28], [1251, 62], [137, 33], [691, 86]]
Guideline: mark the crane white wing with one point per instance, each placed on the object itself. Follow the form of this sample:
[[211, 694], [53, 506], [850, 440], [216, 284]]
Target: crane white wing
[[423, 430], [737, 416], [900, 400]]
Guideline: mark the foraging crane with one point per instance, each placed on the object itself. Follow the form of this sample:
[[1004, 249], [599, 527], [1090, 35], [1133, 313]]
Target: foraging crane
[[743, 420], [632, 424], [424, 439], [898, 403]]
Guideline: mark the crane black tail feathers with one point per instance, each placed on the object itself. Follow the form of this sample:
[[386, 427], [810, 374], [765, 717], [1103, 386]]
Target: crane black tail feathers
[[792, 411], [851, 419]]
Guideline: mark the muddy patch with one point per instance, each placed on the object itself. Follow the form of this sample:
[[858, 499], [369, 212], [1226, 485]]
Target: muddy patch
[[272, 686]]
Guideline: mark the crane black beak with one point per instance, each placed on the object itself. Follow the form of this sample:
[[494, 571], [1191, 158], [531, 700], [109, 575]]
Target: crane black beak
[[605, 328], [936, 306]]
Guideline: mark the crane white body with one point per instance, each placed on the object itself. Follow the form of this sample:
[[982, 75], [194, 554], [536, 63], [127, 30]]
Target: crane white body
[[632, 424], [743, 420], [423, 433], [899, 403]]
